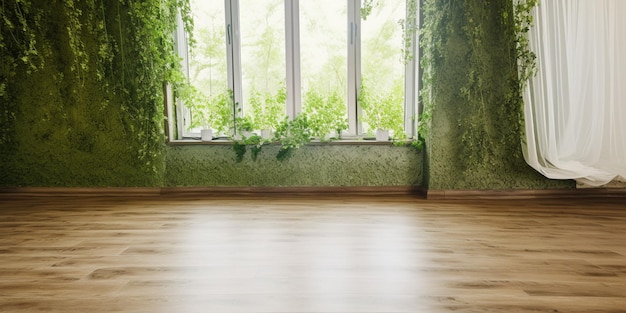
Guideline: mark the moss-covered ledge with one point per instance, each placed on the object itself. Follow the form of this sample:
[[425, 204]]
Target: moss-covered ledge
[[312, 165]]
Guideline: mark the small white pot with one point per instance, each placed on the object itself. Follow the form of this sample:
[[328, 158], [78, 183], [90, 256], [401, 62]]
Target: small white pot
[[266, 133], [382, 135], [332, 135], [206, 134]]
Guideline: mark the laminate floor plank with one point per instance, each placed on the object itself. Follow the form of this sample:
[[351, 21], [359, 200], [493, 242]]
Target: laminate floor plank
[[311, 254]]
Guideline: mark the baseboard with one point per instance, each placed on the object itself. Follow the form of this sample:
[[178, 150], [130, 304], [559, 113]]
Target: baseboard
[[305, 190], [524, 193], [79, 191], [25, 192]]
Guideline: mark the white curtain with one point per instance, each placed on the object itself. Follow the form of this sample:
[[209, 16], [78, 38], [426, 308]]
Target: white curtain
[[575, 107]]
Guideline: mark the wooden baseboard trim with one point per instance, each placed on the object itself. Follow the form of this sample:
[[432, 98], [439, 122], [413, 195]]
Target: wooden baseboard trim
[[79, 191], [287, 191], [25, 192], [525, 193]]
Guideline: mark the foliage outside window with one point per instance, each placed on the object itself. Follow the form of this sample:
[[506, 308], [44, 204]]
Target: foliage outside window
[[244, 54]]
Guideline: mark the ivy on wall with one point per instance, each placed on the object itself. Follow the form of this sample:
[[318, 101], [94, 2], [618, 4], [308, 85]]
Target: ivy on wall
[[430, 40], [474, 60], [486, 88], [81, 89]]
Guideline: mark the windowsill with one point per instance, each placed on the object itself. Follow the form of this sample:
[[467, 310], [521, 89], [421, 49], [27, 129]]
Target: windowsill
[[339, 142]]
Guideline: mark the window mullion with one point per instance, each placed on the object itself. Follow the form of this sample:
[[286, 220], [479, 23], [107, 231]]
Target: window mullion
[[354, 65], [411, 81], [183, 115], [234, 52], [292, 56]]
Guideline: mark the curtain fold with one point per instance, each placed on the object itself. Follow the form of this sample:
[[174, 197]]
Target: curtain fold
[[575, 107]]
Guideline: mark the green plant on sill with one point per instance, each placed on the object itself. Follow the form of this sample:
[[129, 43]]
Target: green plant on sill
[[244, 124], [245, 127], [423, 126], [255, 142], [209, 112], [339, 126], [267, 108], [383, 112], [240, 150], [244, 138], [418, 142], [402, 139], [292, 134], [325, 114]]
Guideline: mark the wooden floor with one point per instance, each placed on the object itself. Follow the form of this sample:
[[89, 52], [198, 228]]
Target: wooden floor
[[302, 254]]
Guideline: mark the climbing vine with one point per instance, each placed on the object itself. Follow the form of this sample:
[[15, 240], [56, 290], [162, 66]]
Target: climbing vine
[[20, 26], [526, 66], [479, 136], [488, 114], [146, 60], [476, 93], [522, 22], [107, 61], [436, 17]]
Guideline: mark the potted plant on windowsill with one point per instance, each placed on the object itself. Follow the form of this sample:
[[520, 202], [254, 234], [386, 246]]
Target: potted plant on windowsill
[[212, 114], [244, 127], [325, 115], [292, 134], [246, 138], [243, 136], [255, 142], [254, 130], [207, 117], [383, 113], [267, 110]]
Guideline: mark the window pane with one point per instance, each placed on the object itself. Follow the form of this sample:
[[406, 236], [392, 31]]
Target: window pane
[[262, 25], [211, 105], [382, 67], [323, 53]]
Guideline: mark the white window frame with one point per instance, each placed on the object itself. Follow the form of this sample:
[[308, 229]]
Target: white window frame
[[293, 71], [412, 79], [233, 51], [354, 67], [292, 55], [183, 114]]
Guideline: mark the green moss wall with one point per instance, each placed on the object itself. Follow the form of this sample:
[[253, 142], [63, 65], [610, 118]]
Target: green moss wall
[[61, 142], [474, 136], [312, 165], [76, 119]]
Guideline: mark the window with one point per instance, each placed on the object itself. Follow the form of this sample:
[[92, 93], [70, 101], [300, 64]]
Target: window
[[262, 49], [346, 64]]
